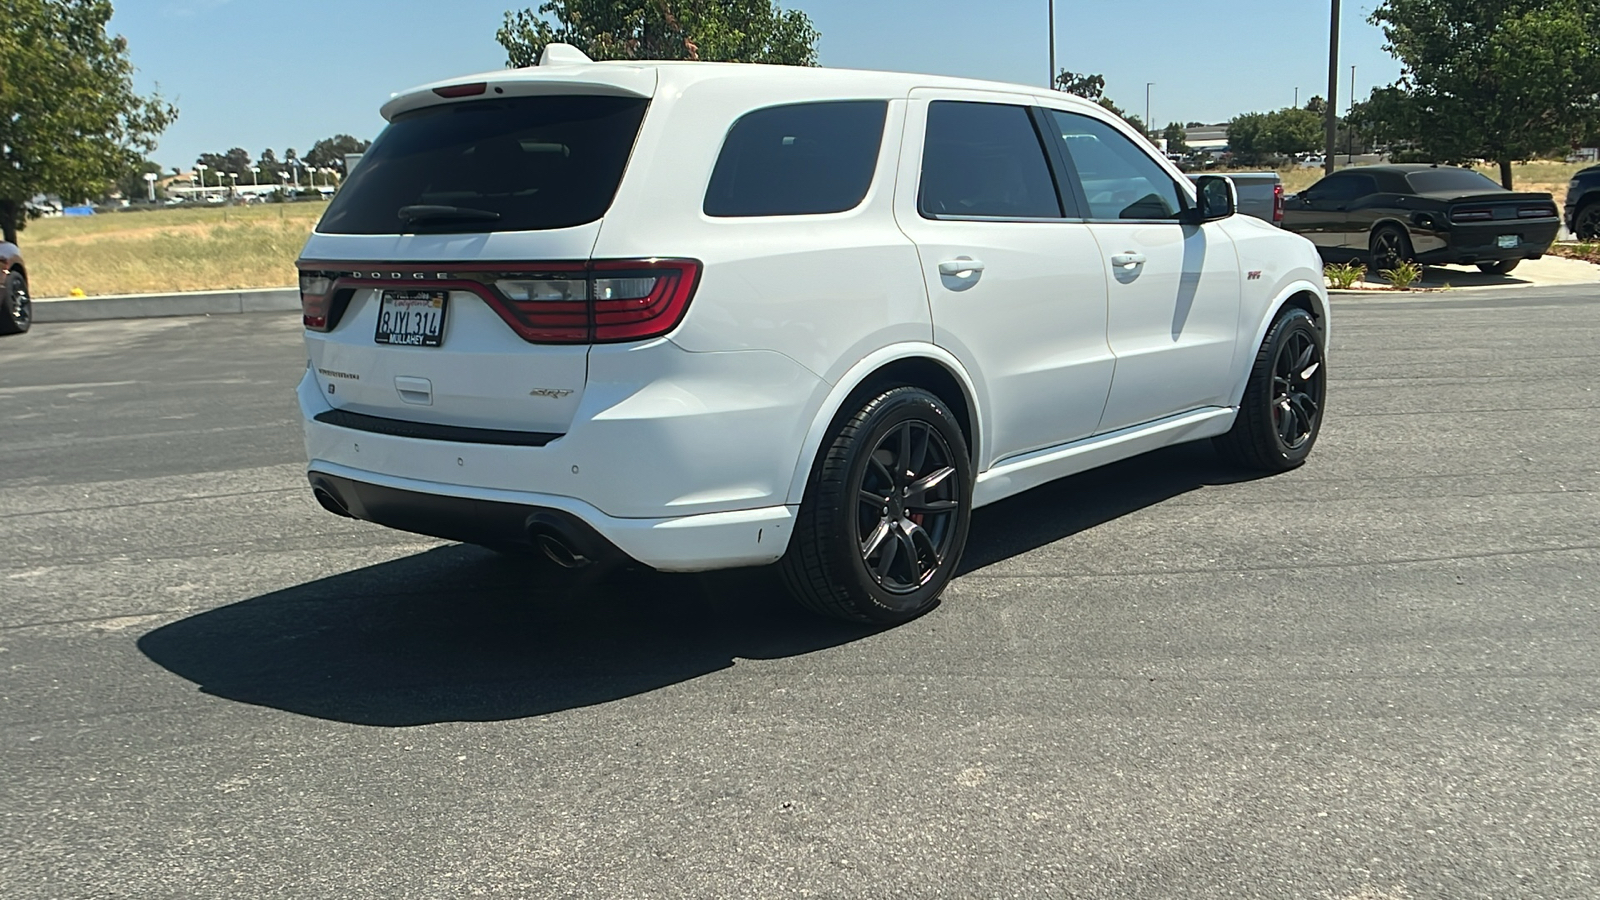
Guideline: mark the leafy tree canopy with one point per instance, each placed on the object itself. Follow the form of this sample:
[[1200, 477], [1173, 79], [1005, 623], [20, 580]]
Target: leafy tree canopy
[[70, 122], [749, 31], [1254, 138], [329, 153], [1093, 87], [1502, 80]]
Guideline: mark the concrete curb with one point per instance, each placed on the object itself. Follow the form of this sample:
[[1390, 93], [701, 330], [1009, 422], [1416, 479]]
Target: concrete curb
[[151, 306]]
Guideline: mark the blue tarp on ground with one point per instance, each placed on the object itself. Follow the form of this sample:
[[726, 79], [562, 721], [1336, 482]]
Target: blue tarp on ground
[[78, 211]]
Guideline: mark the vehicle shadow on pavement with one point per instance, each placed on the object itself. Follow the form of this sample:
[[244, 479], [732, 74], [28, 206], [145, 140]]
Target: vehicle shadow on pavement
[[458, 633]]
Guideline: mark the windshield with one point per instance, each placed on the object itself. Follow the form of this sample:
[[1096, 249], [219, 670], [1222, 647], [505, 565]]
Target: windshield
[[1445, 179], [512, 164]]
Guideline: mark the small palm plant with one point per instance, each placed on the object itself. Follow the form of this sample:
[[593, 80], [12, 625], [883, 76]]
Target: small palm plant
[[1403, 275], [1343, 276]]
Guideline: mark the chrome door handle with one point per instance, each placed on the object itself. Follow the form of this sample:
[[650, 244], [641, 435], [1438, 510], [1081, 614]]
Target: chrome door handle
[[1127, 260], [961, 267]]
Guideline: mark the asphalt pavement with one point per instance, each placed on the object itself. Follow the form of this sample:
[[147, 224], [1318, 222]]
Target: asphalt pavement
[[1373, 678]]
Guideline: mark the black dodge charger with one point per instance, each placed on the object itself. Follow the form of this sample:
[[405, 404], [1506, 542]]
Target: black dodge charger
[[1427, 214]]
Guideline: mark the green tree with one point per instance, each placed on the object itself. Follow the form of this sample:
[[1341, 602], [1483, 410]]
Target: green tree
[[1502, 80], [1085, 85], [70, 122], [131, 184], [1177, 139], [749, 31], [329, 153]]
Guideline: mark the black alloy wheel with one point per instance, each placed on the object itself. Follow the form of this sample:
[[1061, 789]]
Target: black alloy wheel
[[1503, 267], [885, 516], [1389, 247], [1586, 224], [1284, 399], [907, 507], [16, 307]]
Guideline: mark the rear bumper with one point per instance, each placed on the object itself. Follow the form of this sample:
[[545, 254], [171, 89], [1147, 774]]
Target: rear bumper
[[1467, 244], [751, 537]]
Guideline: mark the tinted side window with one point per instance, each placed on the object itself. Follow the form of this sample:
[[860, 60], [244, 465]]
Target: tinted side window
[[1119, 180], [985, 160], [1342, 187], [512, 164], [804, 159]]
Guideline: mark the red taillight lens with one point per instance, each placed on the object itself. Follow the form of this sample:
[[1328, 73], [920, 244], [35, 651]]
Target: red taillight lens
[[1472, 215], [463, 90], [638, 300], [605, 302], [1277, 203], [316, 300], [1536, 212]]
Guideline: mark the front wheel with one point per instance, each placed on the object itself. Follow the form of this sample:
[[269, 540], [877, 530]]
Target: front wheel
[[16, 307], [885, 515], [1281, 413], [1502, 267], [1586, 224]]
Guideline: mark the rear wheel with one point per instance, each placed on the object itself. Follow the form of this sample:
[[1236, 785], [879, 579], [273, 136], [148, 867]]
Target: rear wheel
[[1586, 224], [1388, 247], [1281, 413], [16, 307], [885, 515], [1503, 267]]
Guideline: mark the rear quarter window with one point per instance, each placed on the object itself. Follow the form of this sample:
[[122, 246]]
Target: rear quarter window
[[796, 160], [508, 164]]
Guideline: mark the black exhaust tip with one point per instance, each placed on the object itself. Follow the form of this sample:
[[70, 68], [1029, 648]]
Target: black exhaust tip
[[556, 548], [330, 501]]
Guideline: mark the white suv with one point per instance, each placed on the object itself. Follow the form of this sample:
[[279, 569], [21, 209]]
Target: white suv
[[699, 316]]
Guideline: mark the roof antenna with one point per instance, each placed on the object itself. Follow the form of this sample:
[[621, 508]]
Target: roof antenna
[[562, 55]]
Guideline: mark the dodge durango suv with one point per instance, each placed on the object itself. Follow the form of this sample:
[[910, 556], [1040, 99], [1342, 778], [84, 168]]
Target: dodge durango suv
[[698, 316]]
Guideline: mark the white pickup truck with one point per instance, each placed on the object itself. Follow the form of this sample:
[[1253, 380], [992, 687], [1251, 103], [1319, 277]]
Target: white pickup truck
[[1260, 194]]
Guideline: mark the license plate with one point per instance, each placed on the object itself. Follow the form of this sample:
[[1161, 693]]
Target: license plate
[[1507, 241], [411, 318]]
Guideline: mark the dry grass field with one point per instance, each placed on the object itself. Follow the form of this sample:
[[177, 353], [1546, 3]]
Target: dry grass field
[[168, 249], [255, 246]]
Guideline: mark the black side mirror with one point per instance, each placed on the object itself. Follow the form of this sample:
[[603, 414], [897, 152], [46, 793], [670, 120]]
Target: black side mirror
[[1217, 198]]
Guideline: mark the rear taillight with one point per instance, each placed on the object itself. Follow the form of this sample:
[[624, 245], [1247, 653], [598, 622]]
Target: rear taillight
[[1471, 215], [1277, 203], [1536, 212], [316, 300], [606, 301]]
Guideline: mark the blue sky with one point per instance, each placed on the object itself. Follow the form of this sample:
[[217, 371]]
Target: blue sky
[[285, 73]]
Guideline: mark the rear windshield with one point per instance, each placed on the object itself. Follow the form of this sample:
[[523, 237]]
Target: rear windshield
[[511, 164], [1439, 180]]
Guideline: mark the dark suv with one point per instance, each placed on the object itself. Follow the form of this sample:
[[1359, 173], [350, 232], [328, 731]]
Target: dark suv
[[16, 310], [1583, 204]]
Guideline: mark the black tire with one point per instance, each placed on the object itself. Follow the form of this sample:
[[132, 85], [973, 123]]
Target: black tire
[[16, 306], [1387, 247], [1586, 223], [1503, 267], [889, 560], [1284, 400]]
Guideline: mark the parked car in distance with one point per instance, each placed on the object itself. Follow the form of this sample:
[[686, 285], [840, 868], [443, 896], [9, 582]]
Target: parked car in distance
[[1260, 194], [1583, 204], [1427, 214], [16, 305], [698, 316]]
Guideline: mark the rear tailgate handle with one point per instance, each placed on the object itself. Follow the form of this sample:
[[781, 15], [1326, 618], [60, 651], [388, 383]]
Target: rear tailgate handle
[[416, 391]]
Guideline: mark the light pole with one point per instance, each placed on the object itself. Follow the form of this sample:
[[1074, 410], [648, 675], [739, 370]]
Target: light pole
[[1349, 134], [1297, 98], [1052, 82], [255, 176], [150, 185], [1149, 126], [201, 168], [1331, 114], [233, 184]]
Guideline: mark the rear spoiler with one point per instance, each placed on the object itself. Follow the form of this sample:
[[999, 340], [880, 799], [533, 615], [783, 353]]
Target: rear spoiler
[[557, 74]]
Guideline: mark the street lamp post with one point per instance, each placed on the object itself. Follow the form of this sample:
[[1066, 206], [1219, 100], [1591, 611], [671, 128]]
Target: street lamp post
[[1052, 82], [233, 184], [1149, 126], [201, 168], [150, 185], [1331, 114], [255, 176]]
